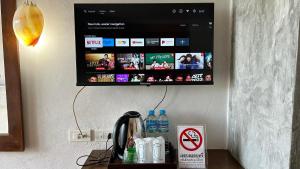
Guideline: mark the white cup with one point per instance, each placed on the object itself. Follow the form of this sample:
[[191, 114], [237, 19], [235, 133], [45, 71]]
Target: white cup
[[158, 147], [148, 149], [141, 150]]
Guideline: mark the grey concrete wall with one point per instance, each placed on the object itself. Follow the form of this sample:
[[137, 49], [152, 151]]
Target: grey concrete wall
[[295, 151], [265, 46]]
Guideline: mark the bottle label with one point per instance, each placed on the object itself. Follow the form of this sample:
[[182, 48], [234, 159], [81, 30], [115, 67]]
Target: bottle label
[[151, 126], [164, 126]]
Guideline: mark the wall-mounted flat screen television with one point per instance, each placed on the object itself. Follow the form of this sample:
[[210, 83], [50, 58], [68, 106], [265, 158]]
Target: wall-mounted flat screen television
[[144, 44]]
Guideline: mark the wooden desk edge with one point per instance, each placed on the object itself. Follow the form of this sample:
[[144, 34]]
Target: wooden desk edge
[[217, 159]]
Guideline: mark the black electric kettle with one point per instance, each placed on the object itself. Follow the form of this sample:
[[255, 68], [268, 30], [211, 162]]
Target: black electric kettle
[[128, 127]]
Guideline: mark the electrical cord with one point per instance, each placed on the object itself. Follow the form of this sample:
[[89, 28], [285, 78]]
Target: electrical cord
[[75, 98], [159, 103], [74, 112], [165, 94], [102, 159]]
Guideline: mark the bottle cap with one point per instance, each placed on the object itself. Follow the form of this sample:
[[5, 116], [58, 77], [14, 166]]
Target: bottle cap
[[151, 112], [162, 112]]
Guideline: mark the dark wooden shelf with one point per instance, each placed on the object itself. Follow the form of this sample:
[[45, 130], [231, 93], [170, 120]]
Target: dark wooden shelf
[[217, 159]]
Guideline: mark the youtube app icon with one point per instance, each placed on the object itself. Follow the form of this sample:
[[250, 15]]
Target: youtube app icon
[[136, 42]]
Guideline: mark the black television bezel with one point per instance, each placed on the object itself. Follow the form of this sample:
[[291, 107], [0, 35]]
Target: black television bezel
[[76, 5]]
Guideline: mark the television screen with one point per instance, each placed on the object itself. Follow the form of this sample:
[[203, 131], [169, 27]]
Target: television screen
[[144, 44]]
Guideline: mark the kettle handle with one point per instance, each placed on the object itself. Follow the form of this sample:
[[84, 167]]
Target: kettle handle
[[118, 150]]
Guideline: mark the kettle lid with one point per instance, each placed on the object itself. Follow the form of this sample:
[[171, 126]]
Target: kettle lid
[[133, 114]]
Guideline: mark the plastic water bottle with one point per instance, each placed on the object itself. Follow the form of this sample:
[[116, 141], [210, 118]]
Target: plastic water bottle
[[163, 124], [151, 124], [163, 129]]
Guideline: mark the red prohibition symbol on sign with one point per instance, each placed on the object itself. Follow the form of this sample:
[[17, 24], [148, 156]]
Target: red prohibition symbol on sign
[[193, 136]]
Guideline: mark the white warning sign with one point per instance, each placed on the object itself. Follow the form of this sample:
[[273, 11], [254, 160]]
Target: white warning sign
[[191, 146]]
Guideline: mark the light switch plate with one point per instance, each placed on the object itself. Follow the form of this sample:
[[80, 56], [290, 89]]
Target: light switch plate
[[101, 135]]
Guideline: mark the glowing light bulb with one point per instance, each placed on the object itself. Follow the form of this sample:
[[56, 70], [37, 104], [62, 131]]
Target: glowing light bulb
[[28, 24]]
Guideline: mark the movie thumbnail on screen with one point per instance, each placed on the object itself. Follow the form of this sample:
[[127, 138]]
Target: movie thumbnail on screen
[[208, 77], [159, 61], [189, 77], [208, 60], [153, 78], [100, 61], [189, 60], [136, 77], [123, 78], [101, 78], [130, 61]]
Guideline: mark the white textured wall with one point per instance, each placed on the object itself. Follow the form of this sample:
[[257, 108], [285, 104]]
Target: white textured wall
[[263, 82], [3, 112], [48, 82]]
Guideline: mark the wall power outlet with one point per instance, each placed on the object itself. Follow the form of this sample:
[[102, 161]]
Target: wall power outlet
[[101, 135], [76, 136]]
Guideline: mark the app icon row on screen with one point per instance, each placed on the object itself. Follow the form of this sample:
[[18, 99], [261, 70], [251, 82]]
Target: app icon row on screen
[[100, 42]]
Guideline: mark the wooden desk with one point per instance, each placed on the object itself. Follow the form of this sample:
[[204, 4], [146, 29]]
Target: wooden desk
[[217, 159]]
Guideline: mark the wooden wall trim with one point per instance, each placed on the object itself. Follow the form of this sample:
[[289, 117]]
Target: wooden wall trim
[[15, 140]]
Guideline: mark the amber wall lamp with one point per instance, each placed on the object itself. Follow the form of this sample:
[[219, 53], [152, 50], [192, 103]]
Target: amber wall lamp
[[28, 23]]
